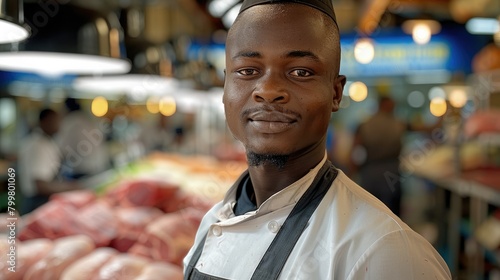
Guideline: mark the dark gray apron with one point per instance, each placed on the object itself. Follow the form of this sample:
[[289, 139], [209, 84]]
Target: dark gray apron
[[282, 245]]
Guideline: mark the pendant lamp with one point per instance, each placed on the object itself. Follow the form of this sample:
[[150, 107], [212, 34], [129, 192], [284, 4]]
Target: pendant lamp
[[68, 40], [12, 28]]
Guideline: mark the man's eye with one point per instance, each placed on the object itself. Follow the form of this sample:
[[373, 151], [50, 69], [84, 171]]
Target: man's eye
[[301, 73], [247, 72]]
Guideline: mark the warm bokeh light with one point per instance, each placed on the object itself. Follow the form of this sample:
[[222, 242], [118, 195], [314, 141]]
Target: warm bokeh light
[[153, 105], [438, 106], [167, 106], [458, 98], [364, 51], [99, 106], [421, 33], [358, 91], [421, 30]]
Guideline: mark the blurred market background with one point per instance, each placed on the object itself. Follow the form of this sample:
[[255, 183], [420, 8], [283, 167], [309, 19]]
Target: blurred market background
[[138, 86]]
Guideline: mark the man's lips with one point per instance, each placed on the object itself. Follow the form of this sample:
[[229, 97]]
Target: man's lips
[[271, 121]]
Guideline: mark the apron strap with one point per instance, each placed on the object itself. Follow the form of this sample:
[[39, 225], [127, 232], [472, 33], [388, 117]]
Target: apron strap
[[282, 245], [275, 257]]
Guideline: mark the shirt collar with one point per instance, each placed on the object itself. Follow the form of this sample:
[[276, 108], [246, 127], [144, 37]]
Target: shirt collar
[[288, 196]]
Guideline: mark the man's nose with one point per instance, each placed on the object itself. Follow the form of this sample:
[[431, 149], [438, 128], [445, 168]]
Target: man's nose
[[272, 89]]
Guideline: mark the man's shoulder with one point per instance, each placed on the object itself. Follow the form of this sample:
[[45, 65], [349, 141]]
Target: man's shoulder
[[360, 210]]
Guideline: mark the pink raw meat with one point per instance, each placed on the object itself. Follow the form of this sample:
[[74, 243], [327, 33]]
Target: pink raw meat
[[28, 253], [76, 198], [170, 237], [132, 221], [52, 220], [141, 193], [123, 267], [161, 271], [98, 221], [87, 267], [66, 251]]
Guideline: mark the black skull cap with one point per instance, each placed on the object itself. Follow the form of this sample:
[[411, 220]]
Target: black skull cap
[[324, 6]]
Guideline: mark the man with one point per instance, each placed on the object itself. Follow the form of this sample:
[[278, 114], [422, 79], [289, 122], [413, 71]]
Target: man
[[292, 215], [379, 140], [39, 163]]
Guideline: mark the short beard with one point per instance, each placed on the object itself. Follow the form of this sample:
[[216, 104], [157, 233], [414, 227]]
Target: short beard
[[255, 159]]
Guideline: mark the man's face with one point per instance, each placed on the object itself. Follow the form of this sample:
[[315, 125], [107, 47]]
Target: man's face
[[281, 80]]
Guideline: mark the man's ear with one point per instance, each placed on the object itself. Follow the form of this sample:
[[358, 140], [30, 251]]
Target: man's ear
[[338, 88]]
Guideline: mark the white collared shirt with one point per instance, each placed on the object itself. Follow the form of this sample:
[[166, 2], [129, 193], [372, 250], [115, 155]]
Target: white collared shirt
[[351, 235]]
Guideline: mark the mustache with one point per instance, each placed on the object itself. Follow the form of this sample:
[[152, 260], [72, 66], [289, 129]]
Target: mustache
[[270, 108]]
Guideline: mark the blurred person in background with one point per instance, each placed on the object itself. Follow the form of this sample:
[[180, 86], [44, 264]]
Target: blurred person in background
[[376, 152], [40, 163], [82, 142], [376, 146]]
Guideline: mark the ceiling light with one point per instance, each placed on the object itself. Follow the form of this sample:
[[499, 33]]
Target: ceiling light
[[421, 29], [364, 51], [136, 86], [486, 26], [12, 28], [58, 64], [93, 45], [218, 8], [231, 15], [11, 32]]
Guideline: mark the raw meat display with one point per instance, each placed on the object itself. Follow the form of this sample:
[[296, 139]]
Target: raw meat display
[[98, 221], [131, 223], [28, 253], [66, 250], [88, 266], [123, 267], [142, 193], [169, 237], [161, 271], [139, 228], [76, 198], [52, 220], [56, 219]]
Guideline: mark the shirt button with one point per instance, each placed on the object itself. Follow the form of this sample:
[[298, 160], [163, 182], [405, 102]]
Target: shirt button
[[273, 226], [217, 230]]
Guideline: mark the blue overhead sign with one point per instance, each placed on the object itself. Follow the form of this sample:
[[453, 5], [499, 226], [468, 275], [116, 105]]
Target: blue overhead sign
[[396, 54]]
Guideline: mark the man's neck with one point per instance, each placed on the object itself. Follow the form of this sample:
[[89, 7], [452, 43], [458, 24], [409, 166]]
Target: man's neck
[[268, 179]]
